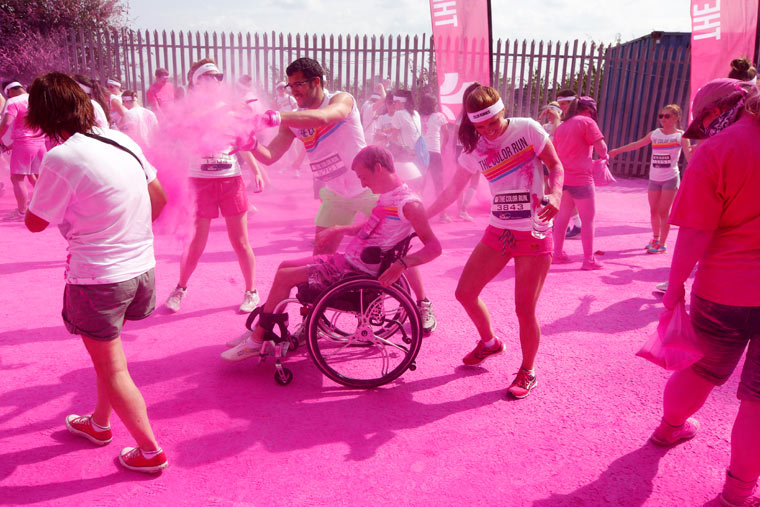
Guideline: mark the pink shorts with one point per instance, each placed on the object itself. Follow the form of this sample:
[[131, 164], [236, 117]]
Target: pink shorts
[[517, 243], [213, 194], [27, 157]]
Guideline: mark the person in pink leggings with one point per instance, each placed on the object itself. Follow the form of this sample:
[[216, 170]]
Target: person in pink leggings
[[718, 214], [27, 149]]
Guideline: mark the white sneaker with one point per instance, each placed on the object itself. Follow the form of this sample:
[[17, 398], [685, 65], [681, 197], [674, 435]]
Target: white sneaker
[[251, 300], [662, 287], [174, 300], [234, 342], [14, 216], [444, 218], [243, 350], [428, 319], [465, 216]]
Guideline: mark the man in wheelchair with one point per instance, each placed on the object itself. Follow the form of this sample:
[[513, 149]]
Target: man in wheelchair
[[398, 213]]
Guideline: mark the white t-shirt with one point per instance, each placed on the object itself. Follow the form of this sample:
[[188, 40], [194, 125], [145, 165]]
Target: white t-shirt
[[115, 115], [140, 124], [431, 131], [286, 103], [409, 125], [216, 165], [666, 148], [16, 108], [514, 172], [331, 150], [98, 196], [385, 227], [100, 116]]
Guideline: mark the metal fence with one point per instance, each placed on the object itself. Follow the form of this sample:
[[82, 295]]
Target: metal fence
[[629, 81]]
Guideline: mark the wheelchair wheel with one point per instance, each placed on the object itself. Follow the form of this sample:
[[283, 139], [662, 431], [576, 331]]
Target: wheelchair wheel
[[365, 344]]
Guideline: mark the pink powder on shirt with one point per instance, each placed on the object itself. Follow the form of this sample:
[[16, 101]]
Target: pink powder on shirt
[[574, 141]]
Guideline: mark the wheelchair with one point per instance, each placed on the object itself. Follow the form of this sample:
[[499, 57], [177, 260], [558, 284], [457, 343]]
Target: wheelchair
[[358, 333]]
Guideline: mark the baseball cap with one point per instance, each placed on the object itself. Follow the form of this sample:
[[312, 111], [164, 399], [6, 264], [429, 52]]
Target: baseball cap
[[709, 95]]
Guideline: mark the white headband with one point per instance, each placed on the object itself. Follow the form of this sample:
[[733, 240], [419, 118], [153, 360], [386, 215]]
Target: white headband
[[487, 113], [127, 98], [566, 99], [206, 67], [86, 88], [399, 99], [113, 83], [554, 108], [14, 84]]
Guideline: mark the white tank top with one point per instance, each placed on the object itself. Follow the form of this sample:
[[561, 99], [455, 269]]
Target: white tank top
[[331, 150], [666, 149]]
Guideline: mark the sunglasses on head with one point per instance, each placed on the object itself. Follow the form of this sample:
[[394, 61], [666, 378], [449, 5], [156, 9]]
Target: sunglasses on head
[[663, 115]]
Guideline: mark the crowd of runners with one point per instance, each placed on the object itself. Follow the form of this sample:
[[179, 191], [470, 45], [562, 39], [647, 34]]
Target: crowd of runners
[[84, 148]]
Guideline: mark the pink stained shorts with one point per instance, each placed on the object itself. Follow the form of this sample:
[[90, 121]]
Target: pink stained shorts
[[517, 243], [214, 194], [26, 157]]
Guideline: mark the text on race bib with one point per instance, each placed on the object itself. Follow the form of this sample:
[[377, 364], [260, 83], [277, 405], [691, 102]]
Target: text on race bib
[[328, 168], [511, 205]]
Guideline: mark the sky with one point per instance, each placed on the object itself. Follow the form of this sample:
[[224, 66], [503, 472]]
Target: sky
[[592, 20]]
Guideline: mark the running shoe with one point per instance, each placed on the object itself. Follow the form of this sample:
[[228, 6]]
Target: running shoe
[[561, 258], [463, 215], [251, 300], [243, 350], [426, 314], [174, 300], [666, 434], [444, 218], [480, 353], [133, 459], [591, 265], [14, 216], [662, 287], [234, 342], [522, 384], [651, 243], [573, 232], [657, 248], [81, 425]]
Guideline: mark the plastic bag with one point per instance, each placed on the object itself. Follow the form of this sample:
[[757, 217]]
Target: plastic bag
[[674, 345], [602, 174]]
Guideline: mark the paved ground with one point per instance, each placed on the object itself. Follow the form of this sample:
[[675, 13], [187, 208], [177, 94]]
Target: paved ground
[[443, 434]]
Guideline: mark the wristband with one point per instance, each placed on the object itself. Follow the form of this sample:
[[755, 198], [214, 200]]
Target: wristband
[[274, 118], [402, 263]]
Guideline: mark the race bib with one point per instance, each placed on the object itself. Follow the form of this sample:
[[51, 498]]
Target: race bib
[[328, 168], [216, 163], [661, 160], [511, 205]]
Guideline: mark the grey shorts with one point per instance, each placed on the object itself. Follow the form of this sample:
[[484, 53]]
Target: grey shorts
[[723, 332], [659, 186], [328, 269], [579, 191], [99, 311]]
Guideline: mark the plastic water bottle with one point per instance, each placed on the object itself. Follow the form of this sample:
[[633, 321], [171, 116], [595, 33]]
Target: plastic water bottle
[[540, 228]]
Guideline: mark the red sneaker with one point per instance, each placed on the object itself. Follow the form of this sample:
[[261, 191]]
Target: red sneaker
[[133, 459], [81, 425], [522, 384], [480, 353]]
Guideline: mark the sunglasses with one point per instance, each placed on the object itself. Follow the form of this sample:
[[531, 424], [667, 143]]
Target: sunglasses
[[299, 84], [665, 115], [218, 77]]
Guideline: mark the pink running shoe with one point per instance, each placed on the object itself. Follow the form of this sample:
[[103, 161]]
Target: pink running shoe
[[666, 434], [561, 258], [591, 265], [480, 353], [133, 459], [522, 384], [81, 425]]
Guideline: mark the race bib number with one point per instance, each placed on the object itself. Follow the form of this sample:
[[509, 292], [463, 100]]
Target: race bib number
[[328, 168], [511, 206], [213, 163], [661, 160]]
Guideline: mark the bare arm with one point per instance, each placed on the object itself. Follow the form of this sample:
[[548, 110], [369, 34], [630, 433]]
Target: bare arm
[[268, 155], [452, 191], [338, 109], [600, 147], [4, 123], [686, 147], [691, 245], [248, 160], [444, 135], [157, 198], [431, 247], [647, 139], [556, 178]]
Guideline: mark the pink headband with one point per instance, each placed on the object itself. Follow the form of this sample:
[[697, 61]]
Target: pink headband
[[487, 113]]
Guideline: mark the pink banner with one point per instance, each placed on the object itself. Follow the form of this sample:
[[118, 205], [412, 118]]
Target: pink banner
[[461, 34], [721, 30]]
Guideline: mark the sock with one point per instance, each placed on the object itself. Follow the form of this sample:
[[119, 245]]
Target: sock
[[98, 427], [531, 372], [151, 454], [420, 301], [490, 343], [576, 220]]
